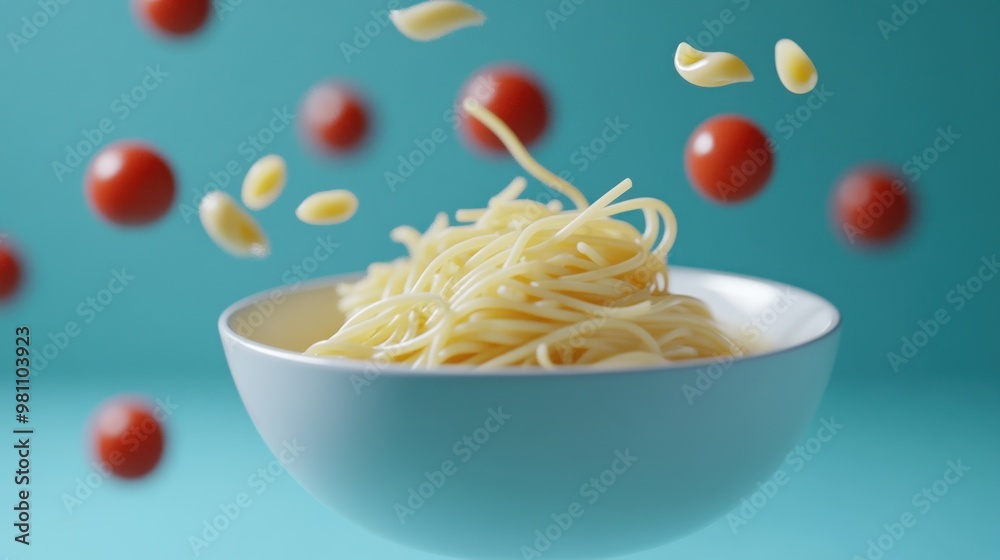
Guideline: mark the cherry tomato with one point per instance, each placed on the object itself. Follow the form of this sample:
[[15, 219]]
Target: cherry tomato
[[174, 17], [871, 204], [130, 184], [728, 158], [514, 96], [334, 118], [10, 271], [127, 437]]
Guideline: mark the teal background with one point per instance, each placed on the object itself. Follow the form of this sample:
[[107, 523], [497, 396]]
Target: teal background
[[605, 60]]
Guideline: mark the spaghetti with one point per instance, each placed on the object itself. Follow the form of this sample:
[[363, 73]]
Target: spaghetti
[[527, 283]]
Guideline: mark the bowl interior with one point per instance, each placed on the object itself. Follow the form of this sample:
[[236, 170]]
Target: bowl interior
[[763, 315]]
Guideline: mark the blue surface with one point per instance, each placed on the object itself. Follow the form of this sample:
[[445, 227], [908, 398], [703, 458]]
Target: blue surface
[[895, 441], [606, 60]]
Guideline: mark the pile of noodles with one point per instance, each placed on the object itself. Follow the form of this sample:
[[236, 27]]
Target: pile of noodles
[[527, 283]]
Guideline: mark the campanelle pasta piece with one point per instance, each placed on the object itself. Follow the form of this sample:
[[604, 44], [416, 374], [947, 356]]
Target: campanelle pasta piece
[[710, 69], [328, 207], [430, 20], [264, 182], [795, 69], [231, 227]]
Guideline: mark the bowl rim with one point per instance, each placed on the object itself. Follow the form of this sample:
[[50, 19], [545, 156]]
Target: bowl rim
[[352, 366]]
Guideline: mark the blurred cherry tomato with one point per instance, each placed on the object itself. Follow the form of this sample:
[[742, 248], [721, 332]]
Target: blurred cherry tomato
[[130, 184], [871, 205], [174, 17], [127, 437], [334, 118], [10, 271], [728, 158], [513, 95]]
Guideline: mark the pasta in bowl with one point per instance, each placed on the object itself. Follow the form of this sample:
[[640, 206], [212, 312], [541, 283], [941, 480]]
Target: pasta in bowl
[[532, 381], [522, 282], [420, 456]]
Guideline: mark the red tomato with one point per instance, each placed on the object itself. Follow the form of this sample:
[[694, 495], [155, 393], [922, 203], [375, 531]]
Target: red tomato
[[127, 437], [130, 184], [174, 17], [334, 118], [10, 271], [871, 205], [514, 96], [728, 158]]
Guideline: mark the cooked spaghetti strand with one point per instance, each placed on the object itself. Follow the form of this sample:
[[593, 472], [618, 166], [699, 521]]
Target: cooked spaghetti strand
[[524, 283]]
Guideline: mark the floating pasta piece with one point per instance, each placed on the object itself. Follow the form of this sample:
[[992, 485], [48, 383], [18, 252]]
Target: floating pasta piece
[[710, 69], [264, 182], [231, 227], [328, 207], [430, 20], [795, 69]]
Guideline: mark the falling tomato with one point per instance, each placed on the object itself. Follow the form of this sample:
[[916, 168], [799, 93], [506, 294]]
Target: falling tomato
[[127, 437], [728, 158], [174, 17], [513, 95], [130, 184], [334, 118], [871, 204]]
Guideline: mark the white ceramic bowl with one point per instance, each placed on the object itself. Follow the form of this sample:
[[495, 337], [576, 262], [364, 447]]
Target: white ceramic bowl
[[576, 463]]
